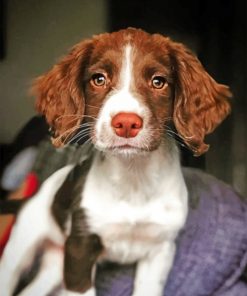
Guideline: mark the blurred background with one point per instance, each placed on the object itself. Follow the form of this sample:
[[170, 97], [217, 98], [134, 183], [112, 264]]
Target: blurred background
[[34, 34]]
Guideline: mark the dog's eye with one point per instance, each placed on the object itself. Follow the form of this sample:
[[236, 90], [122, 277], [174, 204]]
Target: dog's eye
[[98, 79], [158, 82]]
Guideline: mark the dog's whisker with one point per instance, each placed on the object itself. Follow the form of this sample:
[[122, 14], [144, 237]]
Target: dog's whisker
[[65, 136], [89, 140], [76, 117], [178, 141], [82, 137], [166, 119], [85, 131], [168, 129], [82, 133], [90, 116], [92, 106], [68, 131], [69, 115], [68, 136], [85, 124], [72, 116], [77, 136], [74, 128]]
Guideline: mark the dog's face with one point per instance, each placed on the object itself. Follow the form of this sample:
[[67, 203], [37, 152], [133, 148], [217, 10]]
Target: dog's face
[[124, 88], [128, 90]]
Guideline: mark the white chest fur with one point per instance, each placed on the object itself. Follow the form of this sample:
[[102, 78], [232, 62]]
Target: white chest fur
[[135, 204]]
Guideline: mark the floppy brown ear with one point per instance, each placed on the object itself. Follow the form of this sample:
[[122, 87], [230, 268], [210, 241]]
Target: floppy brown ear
[[59, 94], [200, 102]]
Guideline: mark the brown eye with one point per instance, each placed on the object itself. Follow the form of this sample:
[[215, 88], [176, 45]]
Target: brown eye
[[98, 79], [158, 82]]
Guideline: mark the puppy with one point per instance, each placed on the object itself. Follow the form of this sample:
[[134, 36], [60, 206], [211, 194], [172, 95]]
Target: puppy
[[128, 93]]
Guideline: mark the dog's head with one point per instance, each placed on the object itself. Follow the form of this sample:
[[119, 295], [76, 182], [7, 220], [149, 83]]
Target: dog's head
[[124, 88]]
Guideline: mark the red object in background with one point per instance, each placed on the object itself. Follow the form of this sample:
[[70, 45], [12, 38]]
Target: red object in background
[[30, 187], [32, 184]]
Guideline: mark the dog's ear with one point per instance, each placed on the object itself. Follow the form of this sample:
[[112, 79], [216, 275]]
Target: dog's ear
[[200, 102], [59, 93]]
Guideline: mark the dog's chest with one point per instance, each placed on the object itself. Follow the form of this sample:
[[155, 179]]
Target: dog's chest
[[128, 231], [131, 218]]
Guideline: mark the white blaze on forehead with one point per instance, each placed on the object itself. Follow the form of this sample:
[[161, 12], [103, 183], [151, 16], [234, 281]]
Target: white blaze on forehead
[[126, 73], [121, 99]]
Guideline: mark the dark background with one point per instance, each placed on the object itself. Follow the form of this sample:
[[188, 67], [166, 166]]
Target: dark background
[[2, 28]]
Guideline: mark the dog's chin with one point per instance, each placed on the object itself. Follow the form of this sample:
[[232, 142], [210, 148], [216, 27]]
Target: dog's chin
[[125, 151]]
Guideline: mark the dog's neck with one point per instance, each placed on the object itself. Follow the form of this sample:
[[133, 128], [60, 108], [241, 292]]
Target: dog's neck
[[141, 172]]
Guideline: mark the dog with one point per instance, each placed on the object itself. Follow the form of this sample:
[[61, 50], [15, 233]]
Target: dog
[[130, 94]]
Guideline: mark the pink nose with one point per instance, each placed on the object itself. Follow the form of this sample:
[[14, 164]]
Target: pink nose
[[127, 125]]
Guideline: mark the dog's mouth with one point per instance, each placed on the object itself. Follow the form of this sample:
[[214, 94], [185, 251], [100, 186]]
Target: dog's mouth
[[125, 148]]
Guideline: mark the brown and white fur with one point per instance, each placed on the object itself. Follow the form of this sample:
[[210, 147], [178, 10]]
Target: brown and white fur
[[126, 89]]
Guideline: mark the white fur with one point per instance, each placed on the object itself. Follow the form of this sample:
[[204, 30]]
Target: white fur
[[136, 202], [126, 73]]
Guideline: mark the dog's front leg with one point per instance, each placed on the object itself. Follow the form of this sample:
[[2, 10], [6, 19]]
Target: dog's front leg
[[152, 271], [82, 250]]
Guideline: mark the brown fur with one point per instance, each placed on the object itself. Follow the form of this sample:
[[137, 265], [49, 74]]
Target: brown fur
[[200, 102], [59, 94]]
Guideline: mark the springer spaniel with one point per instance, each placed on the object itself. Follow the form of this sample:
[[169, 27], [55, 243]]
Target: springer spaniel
[[129, 92]]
